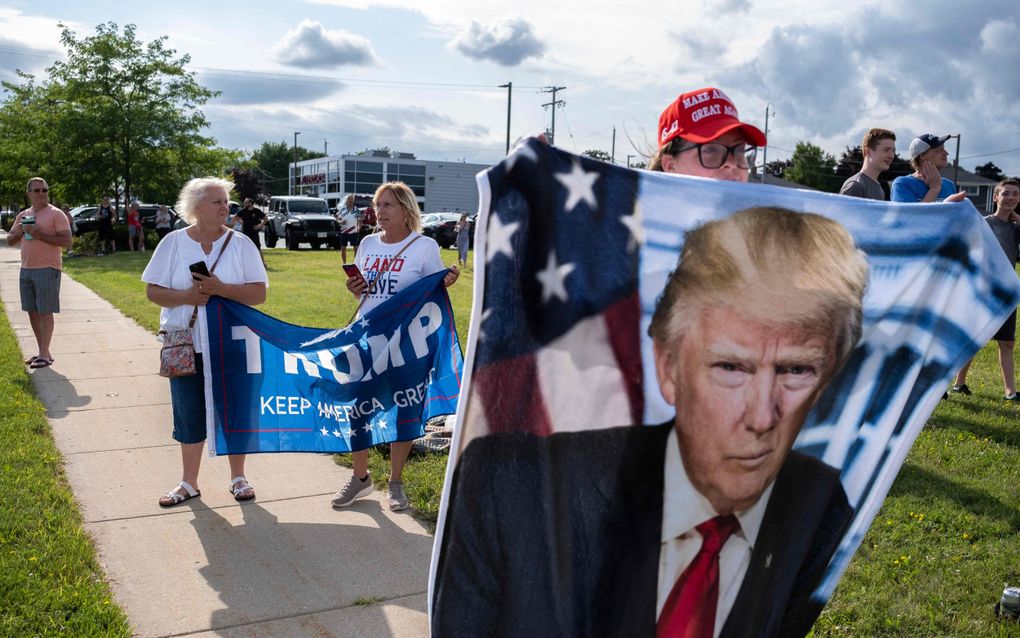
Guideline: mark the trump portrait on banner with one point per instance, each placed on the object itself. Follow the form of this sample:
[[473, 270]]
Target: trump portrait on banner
[[706, 525]]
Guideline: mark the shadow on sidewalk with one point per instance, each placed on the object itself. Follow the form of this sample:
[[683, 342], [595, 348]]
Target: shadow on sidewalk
[[57, 393], [265, 569]]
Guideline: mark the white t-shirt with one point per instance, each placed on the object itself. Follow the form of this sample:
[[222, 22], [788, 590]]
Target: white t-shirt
[[348, 219], [421, 259], [168, 267]]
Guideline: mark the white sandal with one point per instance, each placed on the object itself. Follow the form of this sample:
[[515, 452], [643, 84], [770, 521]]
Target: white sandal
[[241, 489], [173, 497]]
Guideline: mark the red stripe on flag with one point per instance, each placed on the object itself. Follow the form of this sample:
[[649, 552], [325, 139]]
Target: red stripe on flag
[[510, 392], [623, 320]]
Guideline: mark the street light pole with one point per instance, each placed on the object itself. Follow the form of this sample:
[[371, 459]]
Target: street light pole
[[628, 159], [509, 86], [956, 163], [294, 187]]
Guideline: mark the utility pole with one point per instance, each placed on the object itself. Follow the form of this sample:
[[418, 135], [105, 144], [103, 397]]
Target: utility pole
[[765, 151], [294, 187], [612, 153], [325, 147], [553, 103], [956, 163], [509, 86]]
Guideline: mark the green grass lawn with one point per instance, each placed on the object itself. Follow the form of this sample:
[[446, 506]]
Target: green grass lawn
[[50, 581], [936, 558]]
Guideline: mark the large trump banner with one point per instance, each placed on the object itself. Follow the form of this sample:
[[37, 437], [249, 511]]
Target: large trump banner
[[277, 387], [686, 399]]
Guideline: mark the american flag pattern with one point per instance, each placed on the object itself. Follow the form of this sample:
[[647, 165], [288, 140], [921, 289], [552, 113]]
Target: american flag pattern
[[572, 254]]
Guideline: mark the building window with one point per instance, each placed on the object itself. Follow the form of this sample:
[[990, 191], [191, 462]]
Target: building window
[[972, 190]]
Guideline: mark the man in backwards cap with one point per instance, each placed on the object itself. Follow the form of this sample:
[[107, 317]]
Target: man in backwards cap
[[928, 155], [701, 134]]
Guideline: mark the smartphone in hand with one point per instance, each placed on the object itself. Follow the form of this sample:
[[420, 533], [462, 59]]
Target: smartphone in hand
[[200, 268], [353, 271]]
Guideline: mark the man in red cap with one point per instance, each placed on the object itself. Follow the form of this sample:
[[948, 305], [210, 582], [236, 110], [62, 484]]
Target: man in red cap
[[701, 134]]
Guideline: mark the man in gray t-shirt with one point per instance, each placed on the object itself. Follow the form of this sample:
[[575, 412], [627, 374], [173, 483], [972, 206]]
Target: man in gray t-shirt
[[1007, 196], [879, 150]]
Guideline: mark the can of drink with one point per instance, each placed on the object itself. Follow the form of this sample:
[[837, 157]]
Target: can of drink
[[1008, 606], [27, 224]]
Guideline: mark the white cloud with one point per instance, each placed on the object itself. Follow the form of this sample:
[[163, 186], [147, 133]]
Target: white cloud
[[309, 44], [507, 42]]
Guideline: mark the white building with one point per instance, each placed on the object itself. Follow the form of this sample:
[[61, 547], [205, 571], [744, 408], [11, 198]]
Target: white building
[[439, 186]]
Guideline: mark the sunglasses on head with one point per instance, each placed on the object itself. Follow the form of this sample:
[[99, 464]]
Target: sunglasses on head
[[38, 190]]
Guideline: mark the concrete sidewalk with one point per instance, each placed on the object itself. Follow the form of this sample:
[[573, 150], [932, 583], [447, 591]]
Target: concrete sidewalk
[[286, 564]]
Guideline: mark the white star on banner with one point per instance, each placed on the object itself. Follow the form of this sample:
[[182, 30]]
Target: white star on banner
[[481, 324], [367, 428], [522, 151], [578, 183], [500, 238], [553, 277], [347, 329], [633, 224], [324, 431], [337, 433], [363, 323], [382, 424]]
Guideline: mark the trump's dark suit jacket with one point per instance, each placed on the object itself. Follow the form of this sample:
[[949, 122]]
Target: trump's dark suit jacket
[[560, 536]]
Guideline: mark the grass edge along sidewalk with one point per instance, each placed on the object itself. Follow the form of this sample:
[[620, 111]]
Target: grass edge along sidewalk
[[938, 553], [50, 580]]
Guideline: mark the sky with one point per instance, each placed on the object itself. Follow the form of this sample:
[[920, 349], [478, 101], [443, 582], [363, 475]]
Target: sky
[[424, 77]]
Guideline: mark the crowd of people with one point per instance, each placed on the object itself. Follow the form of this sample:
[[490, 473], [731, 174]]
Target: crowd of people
[[699, 134]]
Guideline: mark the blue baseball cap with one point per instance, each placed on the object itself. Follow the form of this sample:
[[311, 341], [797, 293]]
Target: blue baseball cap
[[926, 142]]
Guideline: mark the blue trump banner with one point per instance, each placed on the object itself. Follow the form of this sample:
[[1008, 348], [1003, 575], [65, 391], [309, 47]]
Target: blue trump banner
[[276, 387], [658, 364]]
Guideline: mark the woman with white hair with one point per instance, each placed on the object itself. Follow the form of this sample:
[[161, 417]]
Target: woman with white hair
[[237, 273]]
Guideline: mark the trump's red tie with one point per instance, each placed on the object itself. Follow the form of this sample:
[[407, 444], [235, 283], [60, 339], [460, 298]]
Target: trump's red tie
[[689, 611]]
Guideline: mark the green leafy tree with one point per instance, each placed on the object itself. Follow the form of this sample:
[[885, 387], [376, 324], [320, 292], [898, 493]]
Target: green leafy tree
[[598, 154], [777, 168], [990, 171], [117, 115], [811, 166], [273, 159]]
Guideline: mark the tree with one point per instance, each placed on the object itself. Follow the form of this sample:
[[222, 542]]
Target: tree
[[120, 116], [811, 166], [598, 154], [248, 182], [273, 159], [990, 171], [777, 168]]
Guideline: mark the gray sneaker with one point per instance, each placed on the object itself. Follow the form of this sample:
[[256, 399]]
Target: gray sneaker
[[397, 498], [355, 489]]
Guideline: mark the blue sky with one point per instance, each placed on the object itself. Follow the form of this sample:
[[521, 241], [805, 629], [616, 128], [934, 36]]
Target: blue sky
[[423, 77]]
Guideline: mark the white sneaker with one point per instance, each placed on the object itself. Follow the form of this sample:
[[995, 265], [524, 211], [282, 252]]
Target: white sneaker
[[355, 489]]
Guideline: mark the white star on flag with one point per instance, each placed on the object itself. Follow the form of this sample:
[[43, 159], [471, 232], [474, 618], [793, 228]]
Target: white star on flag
[[367, 428], [347, 329], [500, 238], [324, 431], [337, 433], [633, 224], [579, 185], [363, 323], [522, 151], [553, 277], [481, 324], [382, 424]]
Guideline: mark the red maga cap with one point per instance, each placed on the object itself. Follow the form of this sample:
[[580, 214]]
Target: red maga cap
[[702, 116]]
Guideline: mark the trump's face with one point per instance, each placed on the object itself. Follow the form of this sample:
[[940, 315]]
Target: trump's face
[[741, 389]]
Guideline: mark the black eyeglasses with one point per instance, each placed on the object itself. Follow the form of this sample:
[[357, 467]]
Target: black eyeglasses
[[38, 190], [713, 154]]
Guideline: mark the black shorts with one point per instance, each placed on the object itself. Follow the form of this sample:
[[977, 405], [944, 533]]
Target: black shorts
[[105, 230], [350, 239], [1008, 330]]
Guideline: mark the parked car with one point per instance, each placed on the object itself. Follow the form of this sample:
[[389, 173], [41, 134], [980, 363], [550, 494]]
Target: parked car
[[298, 219], [440, 226], [7, 218], [85, 220], [147, 213]]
